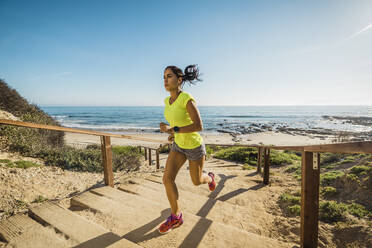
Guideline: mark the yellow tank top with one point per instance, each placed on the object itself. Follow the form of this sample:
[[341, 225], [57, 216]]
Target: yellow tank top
[[176, 114]]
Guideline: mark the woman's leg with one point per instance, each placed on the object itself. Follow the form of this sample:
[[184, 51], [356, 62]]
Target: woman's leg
[[174, 162], [196, 172]]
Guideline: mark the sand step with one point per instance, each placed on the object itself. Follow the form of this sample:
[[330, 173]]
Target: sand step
[[83, 231], [219, 211], [137, 220], [21, 231], [143, 184], [229, 188]]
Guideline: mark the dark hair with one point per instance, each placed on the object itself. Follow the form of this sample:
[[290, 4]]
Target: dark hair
[[190, 75]]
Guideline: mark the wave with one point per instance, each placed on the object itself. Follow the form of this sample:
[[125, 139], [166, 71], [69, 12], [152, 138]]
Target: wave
[[106, 127], [262, 116]]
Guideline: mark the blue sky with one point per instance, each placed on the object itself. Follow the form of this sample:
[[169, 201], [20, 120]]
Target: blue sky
[[113, 53]]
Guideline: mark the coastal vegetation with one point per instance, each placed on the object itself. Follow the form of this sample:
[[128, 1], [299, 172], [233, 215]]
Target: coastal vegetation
[[248, 155], [49, 145], [345, 181], [345, 184]]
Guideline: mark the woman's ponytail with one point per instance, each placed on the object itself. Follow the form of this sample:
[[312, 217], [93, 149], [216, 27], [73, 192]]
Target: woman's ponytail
[[190, 75]]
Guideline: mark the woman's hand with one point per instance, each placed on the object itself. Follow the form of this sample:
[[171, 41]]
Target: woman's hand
[[165, 128], [171, 137]]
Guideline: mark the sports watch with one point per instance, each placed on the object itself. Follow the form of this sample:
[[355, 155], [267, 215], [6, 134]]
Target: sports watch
[[176, 129]]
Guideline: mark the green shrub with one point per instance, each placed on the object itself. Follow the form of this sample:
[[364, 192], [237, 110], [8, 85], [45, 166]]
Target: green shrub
[[40, 199], [331, 211], [347, 160], [26, 141], [163, 149], [329, 191], [295, 170], [80, 159], [125, 150], [19, 164], [328, 158], [93, 146], [126, 158], [352, 177], [282, 158], [290, 199], [239, 154], [291, 204], [298, 154], [25, 164], [248, 167], [359, 169], [292, 168], [295, 209], [249, 155], [330, 166], [358, 210], [329, 177], [6, 162], [209, 149]]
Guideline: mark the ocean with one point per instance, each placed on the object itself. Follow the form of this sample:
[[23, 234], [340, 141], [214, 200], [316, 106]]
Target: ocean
[[129, 119]]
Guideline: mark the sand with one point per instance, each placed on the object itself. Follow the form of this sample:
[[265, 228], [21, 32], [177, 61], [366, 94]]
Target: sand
[[266, 138]]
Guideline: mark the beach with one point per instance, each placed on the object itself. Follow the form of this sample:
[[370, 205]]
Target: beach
[[265, 138]]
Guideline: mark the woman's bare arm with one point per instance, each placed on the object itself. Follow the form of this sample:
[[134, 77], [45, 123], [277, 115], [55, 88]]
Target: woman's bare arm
[[197, 124]]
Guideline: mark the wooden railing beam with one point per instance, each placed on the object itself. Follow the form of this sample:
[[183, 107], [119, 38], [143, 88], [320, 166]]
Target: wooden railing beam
[[74, 130]]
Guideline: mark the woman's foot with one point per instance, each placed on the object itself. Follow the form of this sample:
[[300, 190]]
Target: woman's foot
[[212, 185], [173, 221]]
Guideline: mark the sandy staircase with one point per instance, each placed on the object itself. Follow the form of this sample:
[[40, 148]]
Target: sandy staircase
[[222, 218]]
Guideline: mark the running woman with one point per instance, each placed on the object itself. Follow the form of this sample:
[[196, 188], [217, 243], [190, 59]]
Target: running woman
[[184, 123]]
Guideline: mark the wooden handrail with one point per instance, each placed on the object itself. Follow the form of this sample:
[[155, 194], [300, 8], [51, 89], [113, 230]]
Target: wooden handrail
[[345, 147], [74, 130]]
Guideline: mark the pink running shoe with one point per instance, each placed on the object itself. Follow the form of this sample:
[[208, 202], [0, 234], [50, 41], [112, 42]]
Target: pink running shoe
[[212, 185], [173, 221]]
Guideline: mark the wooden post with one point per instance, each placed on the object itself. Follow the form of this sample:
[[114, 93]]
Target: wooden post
[[157, 159], [259, 160], [267, 166], [309, 199], [107, 160], [139, 148], [150, 161], [145, 153]]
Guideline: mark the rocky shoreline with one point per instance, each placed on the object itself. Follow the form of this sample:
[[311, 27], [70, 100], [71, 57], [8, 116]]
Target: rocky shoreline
[[361, 120], [321, 133], [253, 128]]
